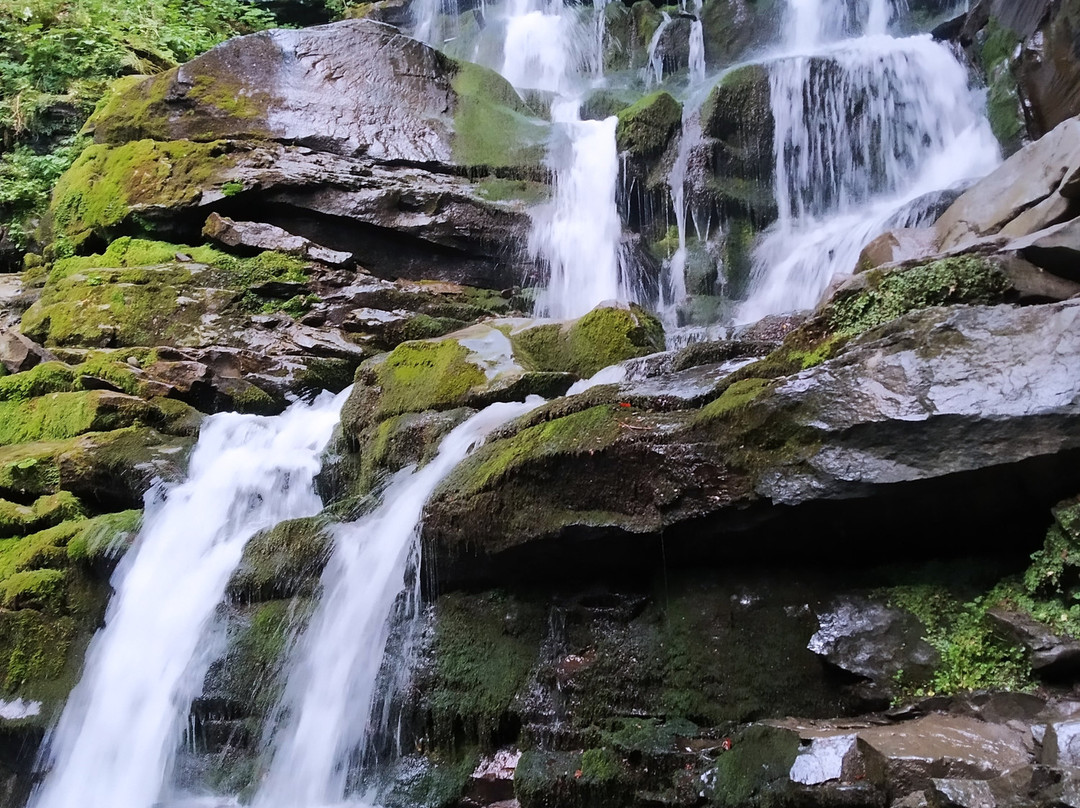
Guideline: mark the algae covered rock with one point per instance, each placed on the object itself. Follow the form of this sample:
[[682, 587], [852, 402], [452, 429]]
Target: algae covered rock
[[645, 127]]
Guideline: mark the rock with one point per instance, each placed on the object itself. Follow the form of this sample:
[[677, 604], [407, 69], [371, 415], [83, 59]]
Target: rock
[[896, 246], [874, 641], [644, 128], [260, 236], [1055, 249], [212, 136], [492, 782], [841, 758], [1049, 67], [1050, 655], [958, 390], [1061, 744], [954, 793], [19, 353], [1023, 181]]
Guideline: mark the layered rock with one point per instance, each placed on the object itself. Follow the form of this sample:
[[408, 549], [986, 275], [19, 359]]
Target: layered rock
[[350, 135]]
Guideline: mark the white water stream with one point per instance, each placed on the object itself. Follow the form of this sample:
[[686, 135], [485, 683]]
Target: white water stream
[[864, 126], [328, 700], [116, 740]]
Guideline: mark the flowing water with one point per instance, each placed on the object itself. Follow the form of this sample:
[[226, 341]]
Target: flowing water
[[117, 737], [326, 710], [864, 126]]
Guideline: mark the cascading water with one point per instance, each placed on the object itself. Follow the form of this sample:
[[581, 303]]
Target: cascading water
[[863, 127], [117, 737], [325, 712]]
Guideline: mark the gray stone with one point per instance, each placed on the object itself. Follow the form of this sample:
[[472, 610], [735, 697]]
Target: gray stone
[[261, 236], [838, 758], [872, 640], [1023, 181], [1056, 249], [1049, 653], [894, 246], [19, 353], [1061, 744], [955, 793]]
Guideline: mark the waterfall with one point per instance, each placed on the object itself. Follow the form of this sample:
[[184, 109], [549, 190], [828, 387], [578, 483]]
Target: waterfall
[[697, 52], [326, 708], [862, 128], [117, 737], [653, 72], [578, 233]]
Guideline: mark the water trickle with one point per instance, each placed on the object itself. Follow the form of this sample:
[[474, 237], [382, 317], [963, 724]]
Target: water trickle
[[697, 53], [653, 72], [326, 710], [118, 735]]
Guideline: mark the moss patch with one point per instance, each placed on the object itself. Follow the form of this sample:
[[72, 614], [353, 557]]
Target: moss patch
[[603, 337], [888, 295], [279, 562], [492, 126], [755, 770], [107, 183], [483, 650], [645, 128], [426, 376], [47, 511]]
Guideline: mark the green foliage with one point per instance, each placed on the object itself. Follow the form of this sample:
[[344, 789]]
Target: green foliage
[[26, 182], [973, 657], [57, 57]]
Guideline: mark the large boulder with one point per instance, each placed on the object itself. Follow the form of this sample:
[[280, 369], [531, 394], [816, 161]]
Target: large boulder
[[350, 135], [977, 391], [1031, 178]]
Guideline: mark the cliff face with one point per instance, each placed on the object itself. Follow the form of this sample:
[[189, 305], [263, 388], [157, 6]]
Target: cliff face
[[753, 571]]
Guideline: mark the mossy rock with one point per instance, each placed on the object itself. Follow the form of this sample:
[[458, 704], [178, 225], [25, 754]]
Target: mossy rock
[[739, 104], [483, 650], [646, 127], [435, 780], [754, 772], [282, 561], [44, 512], [107, 184], [595, 778], [605, 336], [879, 296], [59, 416], [493, 127], [112, 468]]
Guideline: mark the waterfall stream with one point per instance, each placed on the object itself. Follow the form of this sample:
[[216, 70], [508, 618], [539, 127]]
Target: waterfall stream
[[116, 740], [325, 712], [865, 126]]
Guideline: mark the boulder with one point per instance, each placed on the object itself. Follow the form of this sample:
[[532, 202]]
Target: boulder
[[349, 135], [1023, 181], [896, 246], [1050, 655], [839, 758], [644, 128], [871, 640], [1049, 65], [19, 353], [260, 236], [1055, 249], [958, 391]]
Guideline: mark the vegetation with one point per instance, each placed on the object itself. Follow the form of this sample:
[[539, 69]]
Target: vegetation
[[58, 57]]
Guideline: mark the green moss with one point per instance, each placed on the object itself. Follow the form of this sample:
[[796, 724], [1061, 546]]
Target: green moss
[[483, 650], [104, 537], [739, 103], [499, 189], [279, 562], [45, 512], [1003, 105], [605, 336], [961, 279], [48, 377], [438, 784], [600, 765], [64, 415], [645, 128], [595, 778], [31, 469], [587, 431], [420, 376], [34, 589], [101, 189], [738, 395], [755, 770], [34, 647], [492, 126]]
